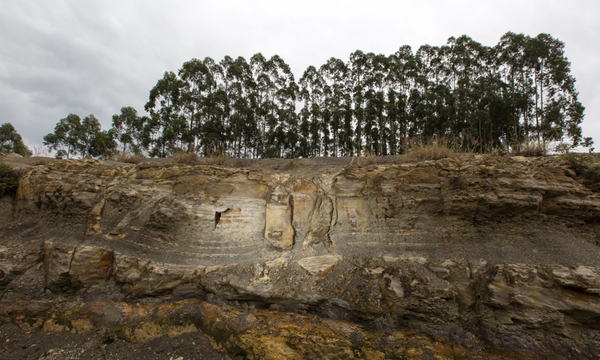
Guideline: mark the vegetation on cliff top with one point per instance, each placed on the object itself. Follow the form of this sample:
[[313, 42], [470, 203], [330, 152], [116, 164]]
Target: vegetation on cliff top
[[512, 95]]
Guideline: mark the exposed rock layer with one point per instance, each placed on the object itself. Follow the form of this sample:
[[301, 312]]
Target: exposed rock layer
[[495, 255]]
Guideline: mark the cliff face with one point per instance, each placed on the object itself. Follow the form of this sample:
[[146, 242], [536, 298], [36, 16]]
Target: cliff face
[[494, 256]]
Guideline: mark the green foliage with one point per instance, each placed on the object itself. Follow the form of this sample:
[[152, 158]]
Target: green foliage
[[129, 129], [65, 139], [518, 95], [587, 169], [11, 141], [519, 91], [72, 136]]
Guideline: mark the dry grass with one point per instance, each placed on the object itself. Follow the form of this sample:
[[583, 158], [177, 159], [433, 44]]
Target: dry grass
[[431, 152], [131, 159], [185, 158], [218, 161], [531, 149]]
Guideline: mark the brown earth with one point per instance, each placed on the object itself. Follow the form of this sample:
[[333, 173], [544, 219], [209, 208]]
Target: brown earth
[[376, 258]]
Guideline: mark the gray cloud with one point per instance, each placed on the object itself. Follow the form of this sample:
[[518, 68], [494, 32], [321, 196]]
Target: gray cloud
[[61, 57]]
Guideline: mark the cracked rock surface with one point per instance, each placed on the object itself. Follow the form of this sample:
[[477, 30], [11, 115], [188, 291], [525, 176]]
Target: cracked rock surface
[[472, 256]]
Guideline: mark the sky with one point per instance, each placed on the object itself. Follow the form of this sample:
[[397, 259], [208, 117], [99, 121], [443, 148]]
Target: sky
[[94, 57]]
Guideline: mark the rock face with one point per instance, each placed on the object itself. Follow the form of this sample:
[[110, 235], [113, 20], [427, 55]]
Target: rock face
[[496, 255]]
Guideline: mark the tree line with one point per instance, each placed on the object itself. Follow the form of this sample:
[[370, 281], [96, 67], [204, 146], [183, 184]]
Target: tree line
[[474, 97]]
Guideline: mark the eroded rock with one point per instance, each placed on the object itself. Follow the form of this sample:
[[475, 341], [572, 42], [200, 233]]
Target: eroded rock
[[498, 250]]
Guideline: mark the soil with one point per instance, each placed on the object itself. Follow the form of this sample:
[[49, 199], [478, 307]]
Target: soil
[[18, 344]]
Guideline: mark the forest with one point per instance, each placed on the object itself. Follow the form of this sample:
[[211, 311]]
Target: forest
[[464, 95]]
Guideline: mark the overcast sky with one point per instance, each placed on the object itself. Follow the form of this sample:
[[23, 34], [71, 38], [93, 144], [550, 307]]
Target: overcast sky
[[94, 57]]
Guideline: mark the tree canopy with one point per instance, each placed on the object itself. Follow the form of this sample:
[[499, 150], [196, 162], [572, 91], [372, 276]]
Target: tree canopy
[[476, 97], [11, 141], [72, 136]]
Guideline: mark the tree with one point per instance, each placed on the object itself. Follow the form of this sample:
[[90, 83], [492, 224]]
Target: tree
[[102, 145], [11, 141], [128, 129], [164, 106], [72, 136], [87, 134], [313, 87], [65, 138], [464, 93]]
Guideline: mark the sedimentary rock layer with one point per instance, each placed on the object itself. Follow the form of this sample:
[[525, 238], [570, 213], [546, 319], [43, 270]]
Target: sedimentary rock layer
[[494, 250]]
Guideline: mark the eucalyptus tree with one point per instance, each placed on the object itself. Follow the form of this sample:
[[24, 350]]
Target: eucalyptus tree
[[264, 95], [197, 86], [241, 92], [72, 136], [65, 138], [86, 133], [358, 70], [483, 96], [213, 125], [468, 61], [511, 57], [103, 145], [556, 105], [167, 121], [337, 101], [283, 133], [11, 141], [128, 129], [312, 88], [424, 82], [376, 84], [402, 72]]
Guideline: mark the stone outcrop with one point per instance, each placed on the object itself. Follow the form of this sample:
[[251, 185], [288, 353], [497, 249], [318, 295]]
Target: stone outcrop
[[493, 256]]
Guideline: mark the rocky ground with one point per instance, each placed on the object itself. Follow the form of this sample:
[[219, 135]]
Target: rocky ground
[[468, 256], [28, 345]]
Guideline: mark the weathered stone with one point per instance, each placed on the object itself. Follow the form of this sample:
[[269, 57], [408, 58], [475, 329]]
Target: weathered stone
[[279, 231], [490, 248], [319, 265], [90, 265]]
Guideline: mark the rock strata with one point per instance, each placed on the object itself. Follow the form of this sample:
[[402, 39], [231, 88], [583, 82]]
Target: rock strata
[[490, 256]]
